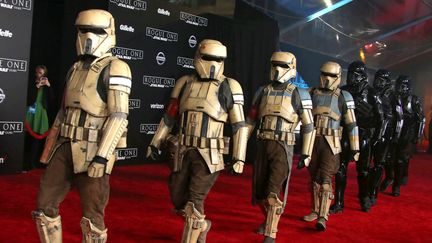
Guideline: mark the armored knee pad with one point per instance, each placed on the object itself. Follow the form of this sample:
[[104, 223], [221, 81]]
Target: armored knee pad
[[49, 229]]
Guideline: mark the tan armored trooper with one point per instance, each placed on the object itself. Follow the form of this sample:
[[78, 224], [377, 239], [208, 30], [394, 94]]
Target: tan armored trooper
[[203, 103], [331, 106], [278, 108], [90, 125]]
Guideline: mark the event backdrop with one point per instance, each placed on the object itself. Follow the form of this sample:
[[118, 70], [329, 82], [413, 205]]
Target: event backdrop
[[15, 36]]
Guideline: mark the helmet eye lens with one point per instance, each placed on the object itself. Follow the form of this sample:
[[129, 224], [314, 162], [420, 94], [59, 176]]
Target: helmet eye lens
[[97, 31], [329, 74], [279, 64], [212, 58]]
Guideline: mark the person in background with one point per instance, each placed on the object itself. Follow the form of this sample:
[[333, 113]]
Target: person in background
[[36, 122]]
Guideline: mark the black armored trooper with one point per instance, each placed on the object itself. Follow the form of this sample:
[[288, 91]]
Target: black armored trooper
[[367, 112], [411, 132], [387, 132]]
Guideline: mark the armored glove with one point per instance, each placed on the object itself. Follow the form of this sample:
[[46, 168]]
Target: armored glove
[[153, 152], [237, 167], [96, 168], [303, 161]]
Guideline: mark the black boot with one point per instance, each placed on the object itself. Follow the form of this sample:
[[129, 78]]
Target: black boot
[[398, 170], [341, 181], [385, 183], [404, 179], [375, 178], [362, 180]]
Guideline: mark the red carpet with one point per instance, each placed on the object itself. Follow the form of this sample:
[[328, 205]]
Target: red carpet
[[140, 210]]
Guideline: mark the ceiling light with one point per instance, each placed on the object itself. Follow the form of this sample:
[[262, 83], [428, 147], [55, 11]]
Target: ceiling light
[[328, 3]]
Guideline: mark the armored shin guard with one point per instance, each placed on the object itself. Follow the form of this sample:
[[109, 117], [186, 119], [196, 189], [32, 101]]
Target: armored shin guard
[[315, 190], [49, 229], [326, 197], [273, 215], [195, 227], [91, 234]]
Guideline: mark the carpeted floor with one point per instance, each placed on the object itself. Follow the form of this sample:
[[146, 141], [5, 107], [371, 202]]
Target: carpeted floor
[[140, 209]]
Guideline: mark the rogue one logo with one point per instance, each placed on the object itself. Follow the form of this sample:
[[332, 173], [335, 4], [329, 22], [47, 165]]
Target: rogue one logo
[[131, 4], [160, 58], [148, 129], [163, 35], [134, 104], [193, 19], [192, 41], [126, 153], [185, 62], [5, 33], [127, 53], [127, 28], [2, 96], [12, 65], [163, 12], [158, 82], [10, 127], [16, 4]]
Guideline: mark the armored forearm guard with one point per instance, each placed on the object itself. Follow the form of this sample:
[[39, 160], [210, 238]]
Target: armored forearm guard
[[161, 134], [52, 138], [240, 132], [308, 132], [352, 129]]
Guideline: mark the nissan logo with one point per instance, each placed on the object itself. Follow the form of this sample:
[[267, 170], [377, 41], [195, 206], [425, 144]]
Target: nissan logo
[[160, 58], [192, 41]]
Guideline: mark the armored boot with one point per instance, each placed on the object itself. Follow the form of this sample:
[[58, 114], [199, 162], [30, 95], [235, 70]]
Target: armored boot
[[326, 197], [274, 213], [404, 174], [364, 199], [398, 167], [195, 227], [341, 181], [375, 179], [49, 229], [91, 234], [315, 191], [388, 180]]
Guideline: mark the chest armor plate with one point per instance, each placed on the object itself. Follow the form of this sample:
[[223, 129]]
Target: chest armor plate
[[203, 97], [82, 92], [278, 103], [325, 104]]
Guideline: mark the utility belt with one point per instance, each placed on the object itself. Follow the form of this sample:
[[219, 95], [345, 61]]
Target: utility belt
[[288, 137], [222, 144], [325, 131], [80, 133]]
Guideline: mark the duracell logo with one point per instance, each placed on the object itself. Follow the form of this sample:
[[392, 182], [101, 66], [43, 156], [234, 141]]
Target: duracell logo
[[8, 65], [126, 153], [162, 35], [131, 4], [16, 4], [127, 28], [127, 53], [158, 82], [134, 104], [10, 127], [148, 129], [193, 19], [185, 62], [6, 33]]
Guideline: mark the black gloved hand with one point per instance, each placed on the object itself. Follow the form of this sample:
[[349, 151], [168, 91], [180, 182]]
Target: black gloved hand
[[301, 164], [153, 152]]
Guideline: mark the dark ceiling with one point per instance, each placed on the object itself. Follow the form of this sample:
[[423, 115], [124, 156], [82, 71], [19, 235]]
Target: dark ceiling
[[382, 33]]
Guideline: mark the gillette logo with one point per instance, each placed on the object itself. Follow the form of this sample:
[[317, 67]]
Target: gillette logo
[[163, 12], [6, 33], [127, 28]]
